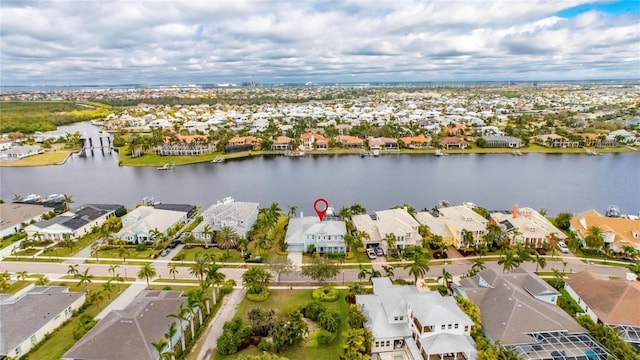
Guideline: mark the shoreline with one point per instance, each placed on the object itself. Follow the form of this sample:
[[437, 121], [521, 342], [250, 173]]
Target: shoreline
[[155, 161]]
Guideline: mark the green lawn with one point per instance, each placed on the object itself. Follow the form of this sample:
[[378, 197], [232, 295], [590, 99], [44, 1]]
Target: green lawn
[[61, 340], [17, 286], [220, 254], [133, 254], [282, 300]]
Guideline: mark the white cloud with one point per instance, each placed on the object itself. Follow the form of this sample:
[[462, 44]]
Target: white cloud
[[110, 42]]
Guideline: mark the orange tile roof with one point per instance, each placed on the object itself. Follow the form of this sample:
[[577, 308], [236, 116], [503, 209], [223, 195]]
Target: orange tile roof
[[348, 139], [415, 139], [622, 229], [282, 140]]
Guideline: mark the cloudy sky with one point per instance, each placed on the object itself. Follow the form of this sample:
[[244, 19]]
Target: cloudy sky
[[70, 42]]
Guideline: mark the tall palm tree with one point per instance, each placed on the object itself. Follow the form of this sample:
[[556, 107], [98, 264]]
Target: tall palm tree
[[119, 279], [112, 269], [477, 266], [72, 270], [362, 274], [594, 238], [390, 239], [171, 332], [123, 252], [85, 278], [95, 251], [509, 261], [173, 270], [418, 266], [292, 211], [540, 261], [66, 201], [207, 233], [445, 277], [199, 266], [467, 239], [263, 244], [108, 288], [388, 270], [147, 271], [242, 245], [21, 275], [227, 238], [214, 275], [160, 346], [180, 319]]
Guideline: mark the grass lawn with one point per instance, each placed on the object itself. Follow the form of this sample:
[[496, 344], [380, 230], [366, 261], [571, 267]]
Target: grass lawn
[[61, 340], [133, 254], [156, 160], [220, 254], [283, 300], [17, 286], [47, 158], [65, 251]]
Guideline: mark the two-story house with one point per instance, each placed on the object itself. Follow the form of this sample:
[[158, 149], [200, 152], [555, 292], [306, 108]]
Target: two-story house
[[395, 223], [324, 236], [239, 215], [460, 218], [532, 228], [422, 325], [143, 223]]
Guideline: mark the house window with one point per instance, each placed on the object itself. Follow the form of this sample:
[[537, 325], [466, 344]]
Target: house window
[[388, 343], [18, 351], [33, 339], [455, 326], [449, 327], [443, 327], [67, 311], [466, 328]]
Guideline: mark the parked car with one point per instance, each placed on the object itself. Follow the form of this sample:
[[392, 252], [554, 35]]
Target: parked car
[[371, 254], [563, 247], [165, 252], [379, 251]]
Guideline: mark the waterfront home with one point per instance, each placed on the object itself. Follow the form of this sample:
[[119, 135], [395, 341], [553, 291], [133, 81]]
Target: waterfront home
[[519, 310], [282, 143], [395, 223], [159, 123], [613, 302], [27, 317], [555, 141], [195, 126], [129, 333], [416, 142], [460, 218], [454, 129], [242, 143], [502, 142], [618, 232], [382, 143], [184, 149], [20, 152], [622, 136], [304, 233], [422, 325], [453, 143], [77, 222], [437, 226], [527, 226], [144, 223], [15, 216], [349, 142], [239, 215]]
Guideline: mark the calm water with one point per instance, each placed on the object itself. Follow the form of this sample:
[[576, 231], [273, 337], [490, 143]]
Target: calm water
[[567, 182]]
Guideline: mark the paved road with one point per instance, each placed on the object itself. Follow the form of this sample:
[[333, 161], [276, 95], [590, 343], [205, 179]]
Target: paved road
[[226, 312]]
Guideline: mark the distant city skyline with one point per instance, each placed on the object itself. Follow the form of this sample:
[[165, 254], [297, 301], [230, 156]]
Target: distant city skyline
[[194, 42]]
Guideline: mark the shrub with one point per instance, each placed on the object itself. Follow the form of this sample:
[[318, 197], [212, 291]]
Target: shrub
[[326, 293], [227, 287], [325, 337], [329, 320], [313, 310], [141, 247], [361, 250], [265, 345], [259, 297]]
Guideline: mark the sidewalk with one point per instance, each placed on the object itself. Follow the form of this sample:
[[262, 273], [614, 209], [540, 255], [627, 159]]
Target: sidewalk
[[124, 299]]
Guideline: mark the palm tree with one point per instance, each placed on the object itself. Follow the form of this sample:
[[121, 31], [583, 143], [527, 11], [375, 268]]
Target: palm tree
[[446, 277], [388, 270], [467, 239], [21, 275], [263, 244], [108, 288], [242, 245], [171, 332], [418, 266], [173, 270], [85, 278], [509, 261], [42, 281], [477, 266], [594, 238], [539, 261], [119, 279], [227, 238], [292, 211], [67, 201], [123, 252], [207, 233], [523, 253], [215, 276], [199, 266], [72, 270], [147, 271], [112, 269], [390, 239], [95, 252], [363, 273], [160, 346]]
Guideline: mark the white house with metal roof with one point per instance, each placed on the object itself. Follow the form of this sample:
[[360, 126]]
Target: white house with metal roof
[[420, 324], [239, 215], [326, 236], [139, 225]]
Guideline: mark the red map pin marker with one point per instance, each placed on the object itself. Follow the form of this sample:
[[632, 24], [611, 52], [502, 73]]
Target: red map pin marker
[[321, 212]]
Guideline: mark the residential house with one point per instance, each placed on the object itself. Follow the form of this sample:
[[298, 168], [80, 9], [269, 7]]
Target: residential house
[[460, 218], [325, 237], [454, 129], [622, 136], [130, 332], [77, 222], [423, 325], [27, 317], [238, 215], [437, 226], [618, 232], [13, 216], [141, 224], [19, 152], [242, 143], [453, 143], [502, 142], [397, 223], [282, 143], [555, 141], [349, 142], [527, 226], [382, 143], [311, 141], [159, 123], [611, 302], [519, 310], [416, 142]]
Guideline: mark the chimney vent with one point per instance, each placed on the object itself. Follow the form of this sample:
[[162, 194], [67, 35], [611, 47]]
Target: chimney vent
[[515, 211]]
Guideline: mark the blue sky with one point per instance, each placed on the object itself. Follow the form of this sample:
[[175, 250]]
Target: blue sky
[[68, 42]]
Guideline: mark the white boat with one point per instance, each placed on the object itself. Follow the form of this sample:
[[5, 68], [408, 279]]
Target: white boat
[[218, 160], [517, 153], [439, 152], [376, 153], [294, 153], [592, 153], [166, 166], [363, 153]]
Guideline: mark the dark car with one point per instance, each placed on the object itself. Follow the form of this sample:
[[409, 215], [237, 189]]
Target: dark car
[[379, 251]]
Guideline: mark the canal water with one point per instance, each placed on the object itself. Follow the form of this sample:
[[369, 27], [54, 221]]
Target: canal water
[[558, 183]]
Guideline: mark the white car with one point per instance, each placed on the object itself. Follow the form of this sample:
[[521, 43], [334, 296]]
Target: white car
[[371, 254], [563, 247]]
